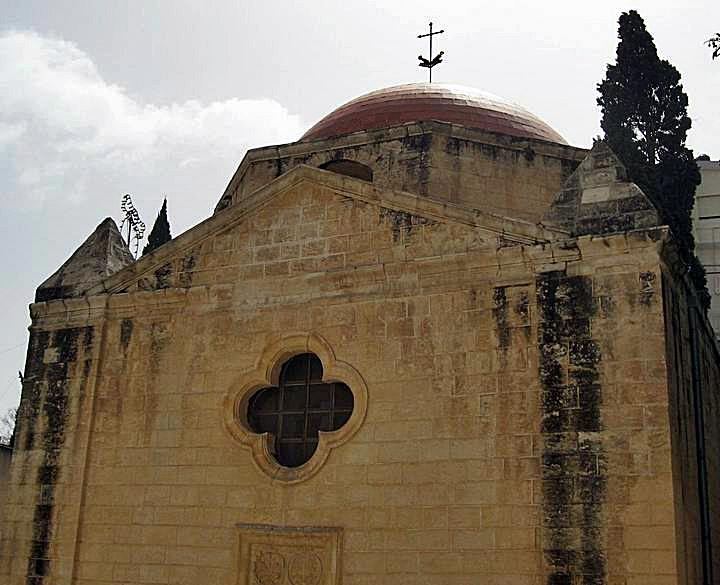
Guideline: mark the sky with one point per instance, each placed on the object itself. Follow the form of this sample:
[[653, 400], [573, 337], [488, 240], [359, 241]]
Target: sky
[[163, 98]]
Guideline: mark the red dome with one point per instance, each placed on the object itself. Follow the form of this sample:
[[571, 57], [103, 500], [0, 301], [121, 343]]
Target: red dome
[[416, 102]]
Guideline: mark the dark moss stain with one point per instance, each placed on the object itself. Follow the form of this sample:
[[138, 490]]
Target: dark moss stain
[[126, 330], [647, 288], [185, 274], [568, 167], [472, 297], [54, 410], [281, 166], [522, 308], [163, 276], [159, 336], [420, 165], [529, 154], [500, 313], [33, 383], [606, 306], [573, 461], [605, 224], [160, 333], [402, 222], [453, 147], [303, 159], [489, 151]]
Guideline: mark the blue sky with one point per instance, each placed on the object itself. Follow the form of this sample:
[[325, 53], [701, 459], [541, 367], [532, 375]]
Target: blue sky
[[162, 98]]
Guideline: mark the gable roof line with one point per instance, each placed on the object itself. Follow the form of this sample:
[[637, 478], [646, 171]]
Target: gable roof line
[[513, 230]]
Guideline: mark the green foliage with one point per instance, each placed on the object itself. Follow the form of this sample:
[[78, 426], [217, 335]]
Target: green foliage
[[160, 232], [644, 116]]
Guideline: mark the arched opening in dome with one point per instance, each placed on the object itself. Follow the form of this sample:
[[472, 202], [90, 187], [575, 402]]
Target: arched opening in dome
[[350, 168]]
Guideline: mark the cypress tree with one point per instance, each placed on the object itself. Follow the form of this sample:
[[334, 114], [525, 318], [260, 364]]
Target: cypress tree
[[160, 232], [644, 117]]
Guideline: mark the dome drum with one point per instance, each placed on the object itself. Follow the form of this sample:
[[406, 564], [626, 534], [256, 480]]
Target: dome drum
[[446, 142]]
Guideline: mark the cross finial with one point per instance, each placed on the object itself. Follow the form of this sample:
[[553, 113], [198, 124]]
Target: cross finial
[[431, 61]]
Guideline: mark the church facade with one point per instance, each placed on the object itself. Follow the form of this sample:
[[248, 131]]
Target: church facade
[[430, 342]]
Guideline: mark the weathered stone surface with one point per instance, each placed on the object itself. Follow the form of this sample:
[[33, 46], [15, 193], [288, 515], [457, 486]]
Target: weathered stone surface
[[500, 174], [102, 254], [532, 408], [598, 198]]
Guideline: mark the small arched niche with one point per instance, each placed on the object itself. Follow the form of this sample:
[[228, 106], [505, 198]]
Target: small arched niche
[[350, 168]]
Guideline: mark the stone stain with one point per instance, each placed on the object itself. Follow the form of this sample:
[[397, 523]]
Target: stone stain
[[568, 167], [500, 313], [419, 166], [187, 264], [522, 310], [33, 383], [52, 405], [281, 166], [163, 276], [402, 222], [573, 479], [160, 335], [647, 287], [126, 331]]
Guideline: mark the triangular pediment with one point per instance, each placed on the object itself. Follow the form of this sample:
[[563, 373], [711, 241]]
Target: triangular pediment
[[400, 212]]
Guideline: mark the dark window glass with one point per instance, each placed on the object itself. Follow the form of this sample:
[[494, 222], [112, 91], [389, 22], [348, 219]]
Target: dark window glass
[[343, 401], [318, 422], [300, 406], [293, 426], [294, 398], [321, 396], [266, 423], [295, 369], [267, 400], [340, 419]]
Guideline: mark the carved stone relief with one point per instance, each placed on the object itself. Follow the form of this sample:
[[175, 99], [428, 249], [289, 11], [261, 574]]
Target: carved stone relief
[[288, 555]]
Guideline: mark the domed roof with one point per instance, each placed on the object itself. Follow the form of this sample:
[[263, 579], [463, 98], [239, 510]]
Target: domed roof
[[416, 102]]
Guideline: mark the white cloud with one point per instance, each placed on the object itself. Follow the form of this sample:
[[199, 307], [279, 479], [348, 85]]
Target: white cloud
[[67, 133]]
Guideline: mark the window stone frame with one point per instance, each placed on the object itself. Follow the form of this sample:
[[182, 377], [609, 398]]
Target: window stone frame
[[266, 373]]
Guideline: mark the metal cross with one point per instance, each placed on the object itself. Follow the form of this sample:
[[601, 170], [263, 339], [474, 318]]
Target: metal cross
[[432, 61]]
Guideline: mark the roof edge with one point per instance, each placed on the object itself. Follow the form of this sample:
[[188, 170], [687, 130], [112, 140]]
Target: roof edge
[[509, 229], [363, 137]]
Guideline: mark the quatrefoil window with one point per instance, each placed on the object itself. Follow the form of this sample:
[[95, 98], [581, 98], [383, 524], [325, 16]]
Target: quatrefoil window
[[297, 408], [297, 404]]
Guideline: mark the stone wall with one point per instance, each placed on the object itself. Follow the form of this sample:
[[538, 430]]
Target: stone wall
[[499, 174], [5, 458], [517, 423], [694, 389], [44, 496]]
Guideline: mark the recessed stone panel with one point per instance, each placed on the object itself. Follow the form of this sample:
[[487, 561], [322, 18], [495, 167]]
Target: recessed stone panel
[[288, 555]]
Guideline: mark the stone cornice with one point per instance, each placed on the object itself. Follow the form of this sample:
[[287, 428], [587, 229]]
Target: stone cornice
[[86, 309]]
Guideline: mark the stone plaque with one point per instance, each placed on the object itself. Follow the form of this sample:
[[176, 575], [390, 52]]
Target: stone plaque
[[289, 555]]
